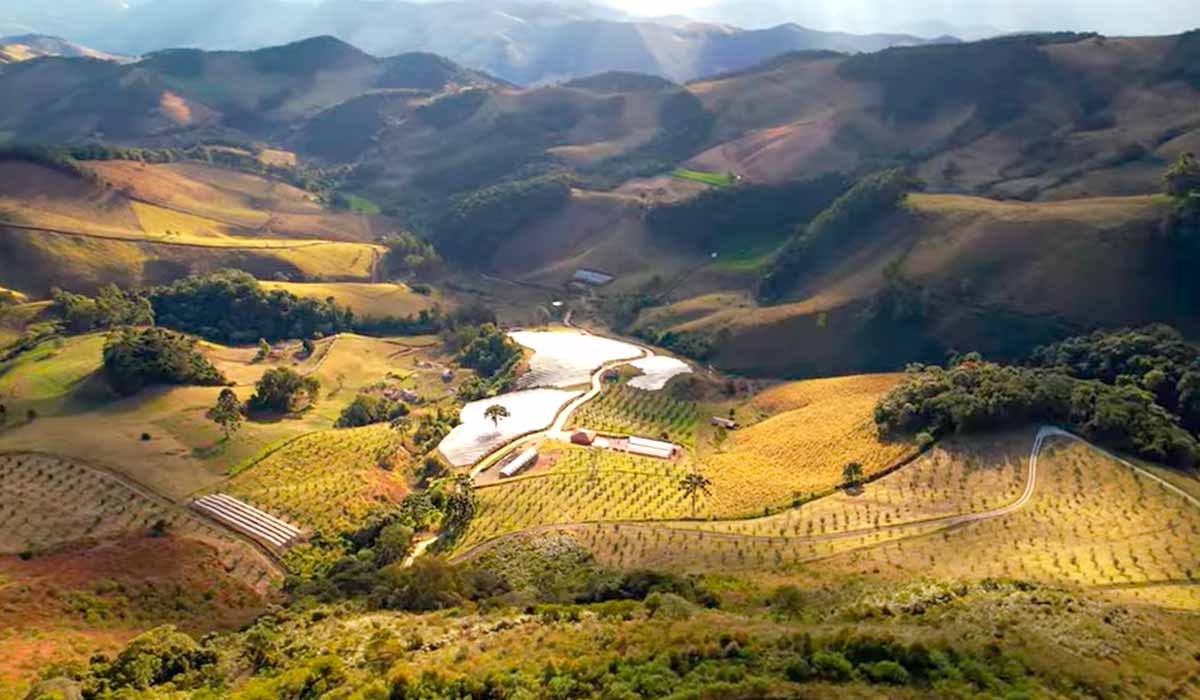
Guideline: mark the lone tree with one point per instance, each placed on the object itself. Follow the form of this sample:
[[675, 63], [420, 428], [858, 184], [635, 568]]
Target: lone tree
[[693, 485], [496, 413], [852, 474], [227, 413], [3, 414]]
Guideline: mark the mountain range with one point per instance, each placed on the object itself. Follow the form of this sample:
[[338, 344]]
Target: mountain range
[[522, 41]]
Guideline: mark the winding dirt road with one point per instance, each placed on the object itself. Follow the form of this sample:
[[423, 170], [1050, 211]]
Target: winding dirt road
[[942, 523]]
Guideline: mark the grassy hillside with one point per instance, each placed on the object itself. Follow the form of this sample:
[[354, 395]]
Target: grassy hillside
[[69, 232], [952, 271], [1083, 116]]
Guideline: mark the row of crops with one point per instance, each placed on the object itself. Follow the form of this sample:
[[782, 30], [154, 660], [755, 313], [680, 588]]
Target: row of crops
[[329, 481], [624, 410]]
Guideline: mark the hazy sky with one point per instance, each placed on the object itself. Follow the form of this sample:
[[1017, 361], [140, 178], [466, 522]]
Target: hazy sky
[[1113, 17]]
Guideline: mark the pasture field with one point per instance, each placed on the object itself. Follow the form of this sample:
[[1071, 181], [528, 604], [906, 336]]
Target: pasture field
[[364, 299], [624, 410], [51, 377], [581, 485], [186, 452], [328, 481], [708, 178], [807, 432]]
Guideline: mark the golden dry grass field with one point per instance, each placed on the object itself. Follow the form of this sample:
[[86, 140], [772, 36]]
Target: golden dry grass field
[[806, 433], [84, 235], [367, 300]]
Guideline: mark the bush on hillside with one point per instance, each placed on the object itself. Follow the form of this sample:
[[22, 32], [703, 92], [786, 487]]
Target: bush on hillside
[[846, 222], [282, 390], [409, 255], [134, 359], [367, 409]]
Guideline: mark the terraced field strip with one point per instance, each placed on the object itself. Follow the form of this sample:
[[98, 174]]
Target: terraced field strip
[[248, 520]]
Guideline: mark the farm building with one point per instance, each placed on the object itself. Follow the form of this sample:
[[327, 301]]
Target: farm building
[[724, 423], [651, 448], [248, 520], [519, 463], [583, 437], [592, 277]]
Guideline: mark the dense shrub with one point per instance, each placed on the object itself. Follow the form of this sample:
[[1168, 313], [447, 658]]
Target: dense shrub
[[366, 409], [153, 658], [136, 358], [408, 254], [282, 390], [843, 224]]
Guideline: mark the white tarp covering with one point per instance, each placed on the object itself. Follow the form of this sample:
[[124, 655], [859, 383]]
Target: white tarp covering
[[568, 358], [477, 436], [657, 371]]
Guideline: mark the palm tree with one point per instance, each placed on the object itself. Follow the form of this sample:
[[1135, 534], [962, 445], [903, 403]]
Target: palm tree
[[852, 474], [496, 413], [693, 485]]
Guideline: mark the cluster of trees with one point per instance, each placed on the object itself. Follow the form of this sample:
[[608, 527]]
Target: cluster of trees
[[841, 225], [488, 350], [697, 345], [283, 390], [110, 307], [746, 213], [230, 306], [1155, 359], [367, 409], [135, 358], [1113, 389], [409, 255], [477, 223]]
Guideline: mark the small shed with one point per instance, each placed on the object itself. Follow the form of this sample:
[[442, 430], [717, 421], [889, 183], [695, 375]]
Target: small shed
[[596, 278], [519, 463], [583, 437], [724, 423]]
